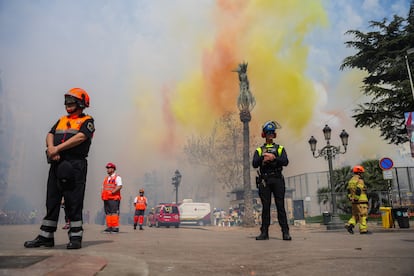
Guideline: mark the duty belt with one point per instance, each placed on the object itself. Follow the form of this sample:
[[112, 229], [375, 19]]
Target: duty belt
[[277, 174]]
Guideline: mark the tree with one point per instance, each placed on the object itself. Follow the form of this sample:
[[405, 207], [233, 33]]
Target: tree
[[341, 177], [323, 195], [381, 54], [375, 183], [221, 152], [372, 178]]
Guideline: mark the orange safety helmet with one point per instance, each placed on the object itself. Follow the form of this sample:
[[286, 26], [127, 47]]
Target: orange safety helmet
[[141, 190], [110, 165], [358, 169], [81, 97]]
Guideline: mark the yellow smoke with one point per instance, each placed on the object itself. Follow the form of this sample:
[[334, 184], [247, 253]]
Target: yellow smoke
[[269, 35]]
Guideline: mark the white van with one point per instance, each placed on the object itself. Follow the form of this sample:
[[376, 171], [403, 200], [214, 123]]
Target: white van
[[194, 212]]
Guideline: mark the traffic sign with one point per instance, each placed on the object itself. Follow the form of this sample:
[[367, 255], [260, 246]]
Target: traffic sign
[[387, 174], [386, 163]]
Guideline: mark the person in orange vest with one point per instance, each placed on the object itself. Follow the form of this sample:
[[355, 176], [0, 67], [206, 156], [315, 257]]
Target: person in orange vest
[[111, 196], [67, 147], [140, 203]]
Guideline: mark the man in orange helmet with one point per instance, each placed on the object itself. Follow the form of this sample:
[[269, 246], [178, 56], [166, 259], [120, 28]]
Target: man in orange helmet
[[358, 197], [140, 203], [111, 195], [67, 147]]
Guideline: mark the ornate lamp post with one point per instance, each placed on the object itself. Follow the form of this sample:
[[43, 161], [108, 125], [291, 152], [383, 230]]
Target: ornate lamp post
[[245, 103], [329, 152], [176, 179]]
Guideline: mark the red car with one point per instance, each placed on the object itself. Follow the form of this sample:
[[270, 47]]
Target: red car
[[167, 214]]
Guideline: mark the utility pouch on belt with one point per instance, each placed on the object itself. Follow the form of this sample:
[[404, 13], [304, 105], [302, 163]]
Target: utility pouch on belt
[[65, 174], [259, 180]]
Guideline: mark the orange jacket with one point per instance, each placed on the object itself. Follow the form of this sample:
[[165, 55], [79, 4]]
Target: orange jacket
[[109, 184], [141, 203], [68, 127]]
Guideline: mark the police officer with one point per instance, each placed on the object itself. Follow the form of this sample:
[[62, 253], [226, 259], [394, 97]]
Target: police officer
[[68, 144], [358, 197], [270, 159]]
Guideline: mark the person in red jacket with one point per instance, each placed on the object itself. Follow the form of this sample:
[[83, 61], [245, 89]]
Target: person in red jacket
[[111, 196], [67, 147], [140, 203]]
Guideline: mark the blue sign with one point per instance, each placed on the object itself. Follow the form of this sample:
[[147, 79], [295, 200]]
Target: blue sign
[[386, 163]]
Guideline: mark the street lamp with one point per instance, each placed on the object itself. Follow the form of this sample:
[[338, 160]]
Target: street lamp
[[409, 52], [176, 179], [329, 152]]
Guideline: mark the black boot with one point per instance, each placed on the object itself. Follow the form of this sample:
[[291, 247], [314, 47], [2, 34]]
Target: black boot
[[107, 230], [140, 227], [350, 228], [40, 241], [135, 227], [74, 244], [264, 235], [286, 236]]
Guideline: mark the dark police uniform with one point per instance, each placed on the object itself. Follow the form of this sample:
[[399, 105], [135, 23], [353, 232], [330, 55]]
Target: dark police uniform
[[273, 183]]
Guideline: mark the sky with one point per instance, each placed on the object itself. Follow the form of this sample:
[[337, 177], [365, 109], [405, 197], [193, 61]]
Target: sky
[[160, 71]]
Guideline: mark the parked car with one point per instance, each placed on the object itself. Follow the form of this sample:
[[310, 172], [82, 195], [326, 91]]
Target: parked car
[[167, 214]]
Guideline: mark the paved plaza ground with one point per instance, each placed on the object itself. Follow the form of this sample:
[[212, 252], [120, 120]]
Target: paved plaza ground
[[211, 250]]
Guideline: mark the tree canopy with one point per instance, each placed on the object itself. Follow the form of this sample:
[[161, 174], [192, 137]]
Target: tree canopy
[[382, 53], [221, 152]]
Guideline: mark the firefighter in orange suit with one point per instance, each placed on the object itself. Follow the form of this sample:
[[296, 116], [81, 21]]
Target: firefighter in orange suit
[[67, 144], [357, 194], [111, 196], [140, 203]]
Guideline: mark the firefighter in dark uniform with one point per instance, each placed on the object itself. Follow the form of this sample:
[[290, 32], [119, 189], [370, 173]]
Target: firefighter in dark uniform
[[68, 144], [270, 159]]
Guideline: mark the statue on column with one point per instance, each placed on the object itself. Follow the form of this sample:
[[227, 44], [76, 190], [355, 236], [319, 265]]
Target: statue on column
[[245, 101]]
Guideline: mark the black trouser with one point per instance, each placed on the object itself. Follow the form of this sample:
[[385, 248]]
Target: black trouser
[[73, 193], [111, 207], [273, 185]]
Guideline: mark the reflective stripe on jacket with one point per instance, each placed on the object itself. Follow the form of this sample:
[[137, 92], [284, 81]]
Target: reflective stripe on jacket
[[357, 190], [109, 184], [140, 203], [265, 148], [70, 125], [66, 128]]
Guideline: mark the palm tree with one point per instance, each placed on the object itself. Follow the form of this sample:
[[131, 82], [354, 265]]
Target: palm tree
[[373, 180], [341, 177], [375, 183], [323, 195]]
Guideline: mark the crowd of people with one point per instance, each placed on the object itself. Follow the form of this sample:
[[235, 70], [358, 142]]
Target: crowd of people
[[233, 217]]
